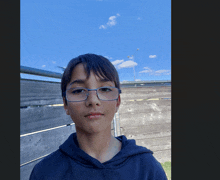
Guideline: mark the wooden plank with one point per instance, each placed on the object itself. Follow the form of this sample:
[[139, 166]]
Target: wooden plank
[[161, 147], [148, 135], [39, 93], [146, 129], [145, 106], [133, 119], [38, 118], [25, 171], [144, 93], [155, 144], [163, 155], [40, 144]]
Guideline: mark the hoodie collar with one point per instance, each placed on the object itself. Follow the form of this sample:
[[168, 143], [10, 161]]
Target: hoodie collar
[[129, 148]]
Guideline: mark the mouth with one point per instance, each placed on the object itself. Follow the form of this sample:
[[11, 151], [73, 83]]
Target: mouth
[[94, 115]]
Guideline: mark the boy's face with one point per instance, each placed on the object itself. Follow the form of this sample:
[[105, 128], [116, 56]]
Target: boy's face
[[79, 110]]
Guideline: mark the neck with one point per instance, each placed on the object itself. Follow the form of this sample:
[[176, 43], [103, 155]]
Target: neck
[[101, 146]]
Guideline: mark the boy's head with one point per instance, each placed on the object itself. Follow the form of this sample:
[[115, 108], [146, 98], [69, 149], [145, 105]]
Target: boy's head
[[100, 65]]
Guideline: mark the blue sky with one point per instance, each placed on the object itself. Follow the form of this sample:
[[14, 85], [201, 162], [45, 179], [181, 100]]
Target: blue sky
[[135, 35]]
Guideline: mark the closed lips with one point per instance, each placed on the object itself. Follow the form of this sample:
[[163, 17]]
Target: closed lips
[[93, 114]]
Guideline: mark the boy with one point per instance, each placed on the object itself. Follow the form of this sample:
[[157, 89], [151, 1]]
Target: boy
[[91, 96]]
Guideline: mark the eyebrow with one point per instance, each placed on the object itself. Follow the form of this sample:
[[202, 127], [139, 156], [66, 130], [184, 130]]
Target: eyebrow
[[81, 81], [78, 81]]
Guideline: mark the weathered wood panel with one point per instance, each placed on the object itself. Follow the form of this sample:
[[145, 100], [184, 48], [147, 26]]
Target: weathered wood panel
[[40, 144], [25, 171], [148, 122], [33, 92], [161, 147], [156, 137], [155, 144], [145, 93], [44, 117], [150, 128], [163, 155], [143, 119], [145, 105]]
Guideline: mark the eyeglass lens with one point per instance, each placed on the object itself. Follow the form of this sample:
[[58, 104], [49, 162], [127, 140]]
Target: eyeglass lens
[[80, 94]]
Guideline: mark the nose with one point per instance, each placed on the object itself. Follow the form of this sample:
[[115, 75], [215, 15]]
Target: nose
[[93, 98]]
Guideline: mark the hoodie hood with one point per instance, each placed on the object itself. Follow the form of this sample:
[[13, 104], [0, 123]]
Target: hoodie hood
[[129, 149]]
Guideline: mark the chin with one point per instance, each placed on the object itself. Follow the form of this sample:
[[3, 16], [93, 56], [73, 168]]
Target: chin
[[94, 130]]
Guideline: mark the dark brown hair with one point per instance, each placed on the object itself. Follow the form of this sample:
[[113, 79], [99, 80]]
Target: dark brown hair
[[100, 65]]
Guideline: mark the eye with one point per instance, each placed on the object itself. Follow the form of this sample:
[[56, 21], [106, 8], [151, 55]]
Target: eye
[[78, 91], [105, 89]]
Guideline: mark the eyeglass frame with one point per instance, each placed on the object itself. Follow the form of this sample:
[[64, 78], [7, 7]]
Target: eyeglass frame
[[119, 92]]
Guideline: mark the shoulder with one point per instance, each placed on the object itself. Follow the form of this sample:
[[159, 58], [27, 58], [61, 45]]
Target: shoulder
[[54, 162], [149, 159], [154, 168], [52, 159], [149, 165]]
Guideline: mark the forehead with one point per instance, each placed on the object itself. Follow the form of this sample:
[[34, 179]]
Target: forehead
[[79, 70], [79, 74]]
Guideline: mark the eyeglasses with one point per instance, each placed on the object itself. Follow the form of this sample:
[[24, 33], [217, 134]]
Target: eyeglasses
[[81, 94]]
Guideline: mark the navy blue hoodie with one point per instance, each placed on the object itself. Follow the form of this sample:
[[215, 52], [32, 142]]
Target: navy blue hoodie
[[70, 162]]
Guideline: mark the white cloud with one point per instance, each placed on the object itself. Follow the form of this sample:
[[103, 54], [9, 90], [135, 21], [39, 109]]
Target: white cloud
[[43, 66], [152, 56], [146, 71], [138, 18], [54, 62], [117, 62], [137, 79], [155, 73], [147, 68], [111, 22], [102, 27], [163, 72], [127, 64]]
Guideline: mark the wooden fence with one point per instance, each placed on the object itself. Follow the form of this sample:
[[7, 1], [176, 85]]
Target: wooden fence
[[145, 115], [44, 125]]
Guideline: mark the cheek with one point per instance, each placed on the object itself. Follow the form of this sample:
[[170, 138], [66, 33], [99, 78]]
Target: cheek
[[110, 107], [74, 109], [76, 113], [78, 108]]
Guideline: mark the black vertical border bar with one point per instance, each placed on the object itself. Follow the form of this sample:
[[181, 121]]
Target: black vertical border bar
[[10, 89], [195, 90]]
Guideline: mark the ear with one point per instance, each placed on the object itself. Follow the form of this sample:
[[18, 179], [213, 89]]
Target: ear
[[118, 103], [65, 106]]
